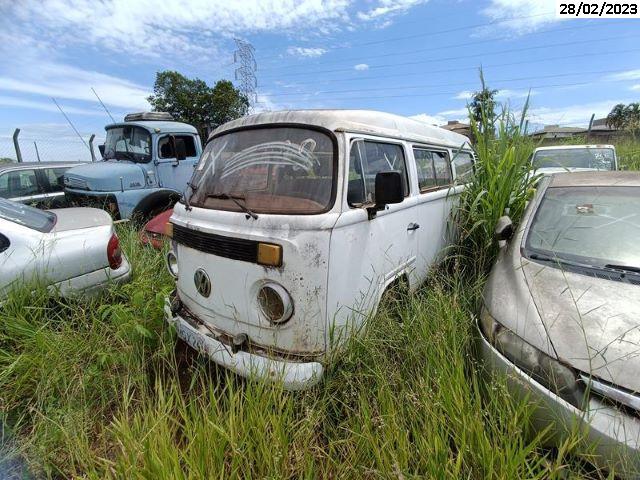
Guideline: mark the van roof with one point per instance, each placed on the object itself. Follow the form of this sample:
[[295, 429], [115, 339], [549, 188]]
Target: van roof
[[356, 121], [157, 126]]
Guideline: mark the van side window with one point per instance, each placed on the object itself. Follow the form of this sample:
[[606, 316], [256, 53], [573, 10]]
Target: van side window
[[434, 170], [464, 166], [165, 147], [367, 159]]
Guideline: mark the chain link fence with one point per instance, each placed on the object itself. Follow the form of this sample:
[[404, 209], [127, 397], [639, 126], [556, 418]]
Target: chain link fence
[[63, 148]]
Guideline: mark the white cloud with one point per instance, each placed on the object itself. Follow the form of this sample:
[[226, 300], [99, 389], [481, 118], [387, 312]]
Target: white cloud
[[361, 67], [521, 16], [628, 75], [306, 51], [58, 80], [47, 106], [389, 7], [635, 88], [574, 115], [430, 119], [152, 28], [464, 95]]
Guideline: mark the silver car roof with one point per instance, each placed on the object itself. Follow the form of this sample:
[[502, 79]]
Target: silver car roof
[[29, 165]]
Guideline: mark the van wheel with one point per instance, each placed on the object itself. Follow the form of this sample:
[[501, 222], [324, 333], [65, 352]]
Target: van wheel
[[395, 297]]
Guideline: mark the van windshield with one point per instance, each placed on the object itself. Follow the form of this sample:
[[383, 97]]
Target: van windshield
[[128, 143], [591, 158], [280, 170]]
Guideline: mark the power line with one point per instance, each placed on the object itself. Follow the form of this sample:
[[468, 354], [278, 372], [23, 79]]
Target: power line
[[459, 69], [460, 57], [408, 87], [429, 34], [432, 49]]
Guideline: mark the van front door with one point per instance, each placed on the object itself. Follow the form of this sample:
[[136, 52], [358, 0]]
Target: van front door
[[367, 255], [172, 173]]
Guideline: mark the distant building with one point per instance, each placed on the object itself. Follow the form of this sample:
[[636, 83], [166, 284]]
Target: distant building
[[603, 133], [458, 127], [556, 132]]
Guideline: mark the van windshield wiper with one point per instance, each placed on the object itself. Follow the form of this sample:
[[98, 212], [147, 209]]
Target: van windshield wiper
[[624, 268], [234, 199]]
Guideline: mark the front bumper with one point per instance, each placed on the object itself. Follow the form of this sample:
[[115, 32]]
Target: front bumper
[[613, 435], [293, 375]]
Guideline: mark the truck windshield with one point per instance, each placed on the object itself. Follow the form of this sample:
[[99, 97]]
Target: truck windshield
[[128, 143], [591, 158], [29, 217], [280, 170]]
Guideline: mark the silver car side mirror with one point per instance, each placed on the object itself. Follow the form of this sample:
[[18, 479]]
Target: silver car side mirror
[[504, 229]]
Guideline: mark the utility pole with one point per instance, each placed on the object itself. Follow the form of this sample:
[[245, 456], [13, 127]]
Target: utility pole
[[246, 72]]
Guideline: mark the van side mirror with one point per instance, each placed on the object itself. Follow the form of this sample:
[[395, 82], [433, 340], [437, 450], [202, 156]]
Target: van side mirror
[[504, 229], [388, 189], [180, 148], [101, 148]]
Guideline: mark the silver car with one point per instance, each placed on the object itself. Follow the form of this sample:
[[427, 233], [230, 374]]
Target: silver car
[[38, 184], [561, 311], [73, 251]]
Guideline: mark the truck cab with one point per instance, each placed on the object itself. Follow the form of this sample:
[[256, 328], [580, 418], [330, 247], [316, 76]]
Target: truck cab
[[146, 163]]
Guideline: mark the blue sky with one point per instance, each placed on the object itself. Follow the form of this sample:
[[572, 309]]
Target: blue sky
[[416, 58]]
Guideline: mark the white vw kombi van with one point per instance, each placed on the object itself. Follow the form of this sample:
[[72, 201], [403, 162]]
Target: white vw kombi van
[[296, 222]]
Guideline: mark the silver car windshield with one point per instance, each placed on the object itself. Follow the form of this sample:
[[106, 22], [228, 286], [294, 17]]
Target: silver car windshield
[[29, 217], [591, 158], [596, 226], [281, 170]]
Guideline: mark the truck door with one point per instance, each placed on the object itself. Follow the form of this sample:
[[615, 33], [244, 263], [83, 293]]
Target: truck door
[[174, 174], [367, 255]]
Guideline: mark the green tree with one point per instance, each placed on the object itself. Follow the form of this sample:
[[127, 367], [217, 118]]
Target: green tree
[[616, 117], [193, 101], [483, 108], [6, 160]]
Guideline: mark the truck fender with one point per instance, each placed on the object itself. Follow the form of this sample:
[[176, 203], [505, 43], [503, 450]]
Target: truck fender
[[155, 203]]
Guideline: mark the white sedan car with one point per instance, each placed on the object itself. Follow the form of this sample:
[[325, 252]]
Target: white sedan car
[[73, 251]]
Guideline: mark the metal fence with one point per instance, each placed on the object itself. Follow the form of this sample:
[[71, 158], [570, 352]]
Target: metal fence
[[64, 148]]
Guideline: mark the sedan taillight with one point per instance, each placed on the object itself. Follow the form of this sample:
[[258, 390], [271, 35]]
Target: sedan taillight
[[114, 254]]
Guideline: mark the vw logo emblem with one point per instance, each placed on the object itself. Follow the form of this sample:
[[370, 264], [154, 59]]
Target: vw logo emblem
[[203, 284]]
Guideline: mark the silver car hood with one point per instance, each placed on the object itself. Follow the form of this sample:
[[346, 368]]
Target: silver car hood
[[593, 323]]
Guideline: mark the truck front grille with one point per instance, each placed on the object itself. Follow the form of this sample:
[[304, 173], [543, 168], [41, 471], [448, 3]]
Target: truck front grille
[[228, 247], [77, 183]]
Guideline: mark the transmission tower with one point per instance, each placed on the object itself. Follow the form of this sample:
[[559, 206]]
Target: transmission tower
[[246, 71]]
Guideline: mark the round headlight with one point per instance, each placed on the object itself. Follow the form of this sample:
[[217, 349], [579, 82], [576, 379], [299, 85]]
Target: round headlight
[[172, 264], [275, 303]]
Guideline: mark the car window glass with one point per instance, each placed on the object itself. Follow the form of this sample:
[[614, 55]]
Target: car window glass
[[30, 217], [18, 183], [442, 168], [463, 162], [55, 177], [424, 165], [166, 150], [4, 243], [367, 159]]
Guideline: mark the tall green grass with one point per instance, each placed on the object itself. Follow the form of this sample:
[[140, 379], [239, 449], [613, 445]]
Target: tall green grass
[[102, 390]]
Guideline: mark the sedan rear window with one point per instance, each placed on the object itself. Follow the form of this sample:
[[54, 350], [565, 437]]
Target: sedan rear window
[[26, 216]]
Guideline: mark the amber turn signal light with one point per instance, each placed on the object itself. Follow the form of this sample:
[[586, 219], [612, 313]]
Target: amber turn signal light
[[168, 229], [269, 254]]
